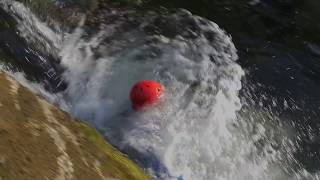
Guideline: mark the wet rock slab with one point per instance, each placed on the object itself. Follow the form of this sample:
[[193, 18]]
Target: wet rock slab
[[39, 141]]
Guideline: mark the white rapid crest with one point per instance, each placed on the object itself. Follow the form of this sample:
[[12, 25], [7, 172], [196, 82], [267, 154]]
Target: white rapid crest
[[32, 29], [191, 130], [196, 131]]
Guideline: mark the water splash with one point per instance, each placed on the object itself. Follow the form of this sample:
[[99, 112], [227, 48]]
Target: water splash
[[48, 39], [196, 131], [191, 131]]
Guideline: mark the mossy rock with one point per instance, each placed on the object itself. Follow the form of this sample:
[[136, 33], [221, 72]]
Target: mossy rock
[[39, 141]]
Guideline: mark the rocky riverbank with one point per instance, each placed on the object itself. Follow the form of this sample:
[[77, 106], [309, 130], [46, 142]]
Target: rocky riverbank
[[39, 141]]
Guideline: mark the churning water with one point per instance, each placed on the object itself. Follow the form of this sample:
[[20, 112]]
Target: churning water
[[201, 130]]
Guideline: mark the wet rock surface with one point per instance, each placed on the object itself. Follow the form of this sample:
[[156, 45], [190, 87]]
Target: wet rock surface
[[39, 141]]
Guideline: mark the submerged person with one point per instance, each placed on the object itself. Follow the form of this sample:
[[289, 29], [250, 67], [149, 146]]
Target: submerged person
[[143, 95]]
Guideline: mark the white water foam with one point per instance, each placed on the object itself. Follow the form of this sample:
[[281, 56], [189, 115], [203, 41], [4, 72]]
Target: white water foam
[[32, 29], [195, 130], [191, 131]]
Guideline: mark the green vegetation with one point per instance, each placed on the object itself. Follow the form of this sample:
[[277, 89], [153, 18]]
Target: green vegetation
[[118, 162]]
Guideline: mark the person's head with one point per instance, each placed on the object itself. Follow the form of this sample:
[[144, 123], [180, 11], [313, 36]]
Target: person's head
[[145, 93]]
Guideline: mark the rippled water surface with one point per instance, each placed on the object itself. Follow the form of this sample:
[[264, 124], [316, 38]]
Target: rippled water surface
[[242, 78]]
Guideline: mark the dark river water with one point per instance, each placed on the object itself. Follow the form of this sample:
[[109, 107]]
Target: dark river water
[[278, 43]]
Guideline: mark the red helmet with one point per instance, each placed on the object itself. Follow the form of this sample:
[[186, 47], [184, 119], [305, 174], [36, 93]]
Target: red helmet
[[145, 93]]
